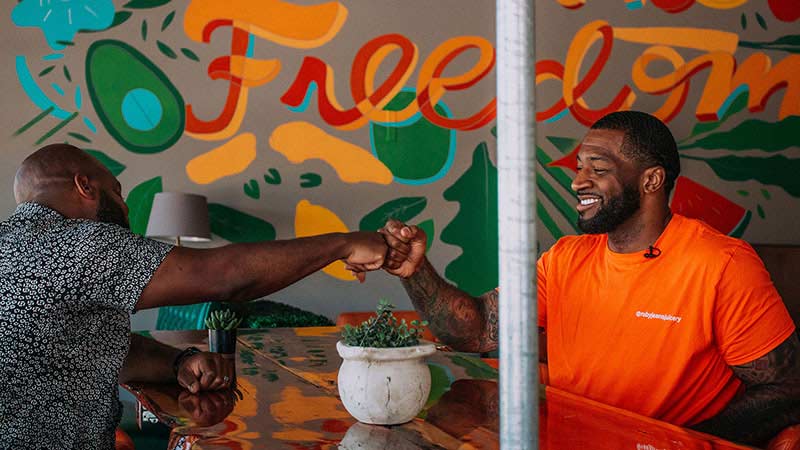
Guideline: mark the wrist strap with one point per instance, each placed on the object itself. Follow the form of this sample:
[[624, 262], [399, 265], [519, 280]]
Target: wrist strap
[[176, 363]]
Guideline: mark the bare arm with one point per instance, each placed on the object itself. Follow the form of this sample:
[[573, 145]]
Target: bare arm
[[457, 319], [240, 272], [150, 361], [771, 401]]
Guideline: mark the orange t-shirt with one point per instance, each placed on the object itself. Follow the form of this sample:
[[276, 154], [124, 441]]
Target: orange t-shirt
[[657, 336]]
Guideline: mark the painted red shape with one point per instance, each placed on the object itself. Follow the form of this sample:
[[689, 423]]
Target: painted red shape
[[785, 10], [335, 426], [673, 6], [568, 162], [694, 200], [239, 43]]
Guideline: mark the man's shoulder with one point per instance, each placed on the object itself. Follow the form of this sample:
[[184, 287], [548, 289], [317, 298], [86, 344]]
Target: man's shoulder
[[580, 242], [698, 236]]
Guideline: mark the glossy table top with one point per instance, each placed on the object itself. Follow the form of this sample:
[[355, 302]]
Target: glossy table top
[[286, 380]]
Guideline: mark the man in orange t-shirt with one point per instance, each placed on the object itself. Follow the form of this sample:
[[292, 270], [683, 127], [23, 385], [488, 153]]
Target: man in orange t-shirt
[[648, 311]]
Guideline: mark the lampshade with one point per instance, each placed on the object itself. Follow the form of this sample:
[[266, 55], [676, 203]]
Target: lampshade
[[179, 216]]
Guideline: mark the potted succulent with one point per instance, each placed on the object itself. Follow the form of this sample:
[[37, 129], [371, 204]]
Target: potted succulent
[[383, 378], [222, 326]]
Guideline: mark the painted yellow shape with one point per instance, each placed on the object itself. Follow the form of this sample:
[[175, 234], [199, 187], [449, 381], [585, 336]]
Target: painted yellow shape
[[695, 38], [722, 4], [320, 378], [316, 331], [246, 407], [310, 220], [254, 72], [301, 141], [288, 24], [228, 159], [297, 358], [295, 408]]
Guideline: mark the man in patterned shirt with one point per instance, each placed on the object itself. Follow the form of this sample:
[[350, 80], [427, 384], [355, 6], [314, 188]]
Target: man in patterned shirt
[[71, 273]]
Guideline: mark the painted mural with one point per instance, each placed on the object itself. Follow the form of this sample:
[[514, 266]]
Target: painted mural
[[298, 118]]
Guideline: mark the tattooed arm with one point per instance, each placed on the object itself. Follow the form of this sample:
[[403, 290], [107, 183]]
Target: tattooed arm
[[771, 401], [457, 319]]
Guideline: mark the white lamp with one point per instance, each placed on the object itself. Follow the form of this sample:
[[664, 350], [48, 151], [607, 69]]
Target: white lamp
[[177, 215]]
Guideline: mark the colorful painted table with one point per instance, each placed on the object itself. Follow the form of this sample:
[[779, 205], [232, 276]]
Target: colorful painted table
[[286, 398]]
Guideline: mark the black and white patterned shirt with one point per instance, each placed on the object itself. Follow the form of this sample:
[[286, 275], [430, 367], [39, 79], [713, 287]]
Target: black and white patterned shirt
[[67, 288]]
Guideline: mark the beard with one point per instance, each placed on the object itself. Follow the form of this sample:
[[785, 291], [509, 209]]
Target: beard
[[615, 213], [110, 212]]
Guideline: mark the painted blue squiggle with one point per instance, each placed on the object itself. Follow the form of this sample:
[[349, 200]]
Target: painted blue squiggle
[[78, 97], [634, 5], [312, 88], [35, 93], [53, 56], [728, 101], [251, 46], [557, 117], [57, 88], [89, 125]]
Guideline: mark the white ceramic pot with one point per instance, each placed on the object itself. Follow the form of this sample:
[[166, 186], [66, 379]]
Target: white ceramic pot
[[384, 386]]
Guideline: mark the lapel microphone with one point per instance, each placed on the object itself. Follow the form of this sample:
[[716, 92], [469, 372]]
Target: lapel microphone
[[652, 252]]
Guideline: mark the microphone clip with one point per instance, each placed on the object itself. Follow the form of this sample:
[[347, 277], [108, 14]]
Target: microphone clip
[[652, 252]]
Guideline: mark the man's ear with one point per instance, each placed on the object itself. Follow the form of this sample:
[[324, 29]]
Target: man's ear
[[653, 179], [84, 187]]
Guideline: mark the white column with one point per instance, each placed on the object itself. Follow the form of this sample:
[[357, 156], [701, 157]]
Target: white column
[[519, 406]]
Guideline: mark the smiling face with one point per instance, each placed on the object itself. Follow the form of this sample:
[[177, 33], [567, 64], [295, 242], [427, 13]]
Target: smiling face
[[606, 183]]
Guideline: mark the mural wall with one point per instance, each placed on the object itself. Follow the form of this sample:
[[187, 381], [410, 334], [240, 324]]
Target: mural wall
[[304, 117]]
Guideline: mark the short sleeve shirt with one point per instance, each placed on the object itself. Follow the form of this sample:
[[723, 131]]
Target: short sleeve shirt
[[67, 288], [658, 335]]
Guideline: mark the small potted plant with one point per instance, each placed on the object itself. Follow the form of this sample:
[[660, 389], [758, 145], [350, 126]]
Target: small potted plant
[[383, 378], [222, 331]]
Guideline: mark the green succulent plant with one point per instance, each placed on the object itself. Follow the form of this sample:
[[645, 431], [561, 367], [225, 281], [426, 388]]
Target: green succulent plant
[[383, 330], [222, 320]]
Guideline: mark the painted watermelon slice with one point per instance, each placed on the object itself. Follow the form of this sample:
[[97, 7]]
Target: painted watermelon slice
[[692, 199]]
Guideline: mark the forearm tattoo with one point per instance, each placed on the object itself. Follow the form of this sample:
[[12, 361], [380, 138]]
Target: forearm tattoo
[[457, 319], [771, 401]]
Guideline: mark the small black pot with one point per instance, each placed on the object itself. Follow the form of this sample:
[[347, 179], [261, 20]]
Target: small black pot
[[222, 341]]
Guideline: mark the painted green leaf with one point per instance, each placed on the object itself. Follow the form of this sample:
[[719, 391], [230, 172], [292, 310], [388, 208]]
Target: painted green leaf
[[429, 228], [144, 30], [166, 50], [564, 144], [760, 211], [737, 105], [189, 54], [417, 152], [743, 21], [402, 209], [67, 74], [754, 134], [494, 131], [46, 70], [114, 166], [761, 22], [145, 4], [766, 194], [252, 189], [441, 380], [309, 180], [167, 20], [66, 43], [272, 176], [743, 193], [474, 228], [79, 137], [140, 202], [119, 18], [776, 170], [790, 43], [236, 226], [547, 221], [475, 367]]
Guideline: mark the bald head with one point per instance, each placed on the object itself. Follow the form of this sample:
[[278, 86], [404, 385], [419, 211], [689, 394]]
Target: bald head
[[49, 173]]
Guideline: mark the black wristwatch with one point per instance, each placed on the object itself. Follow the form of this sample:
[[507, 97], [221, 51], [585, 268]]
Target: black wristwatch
[[190, 351]]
